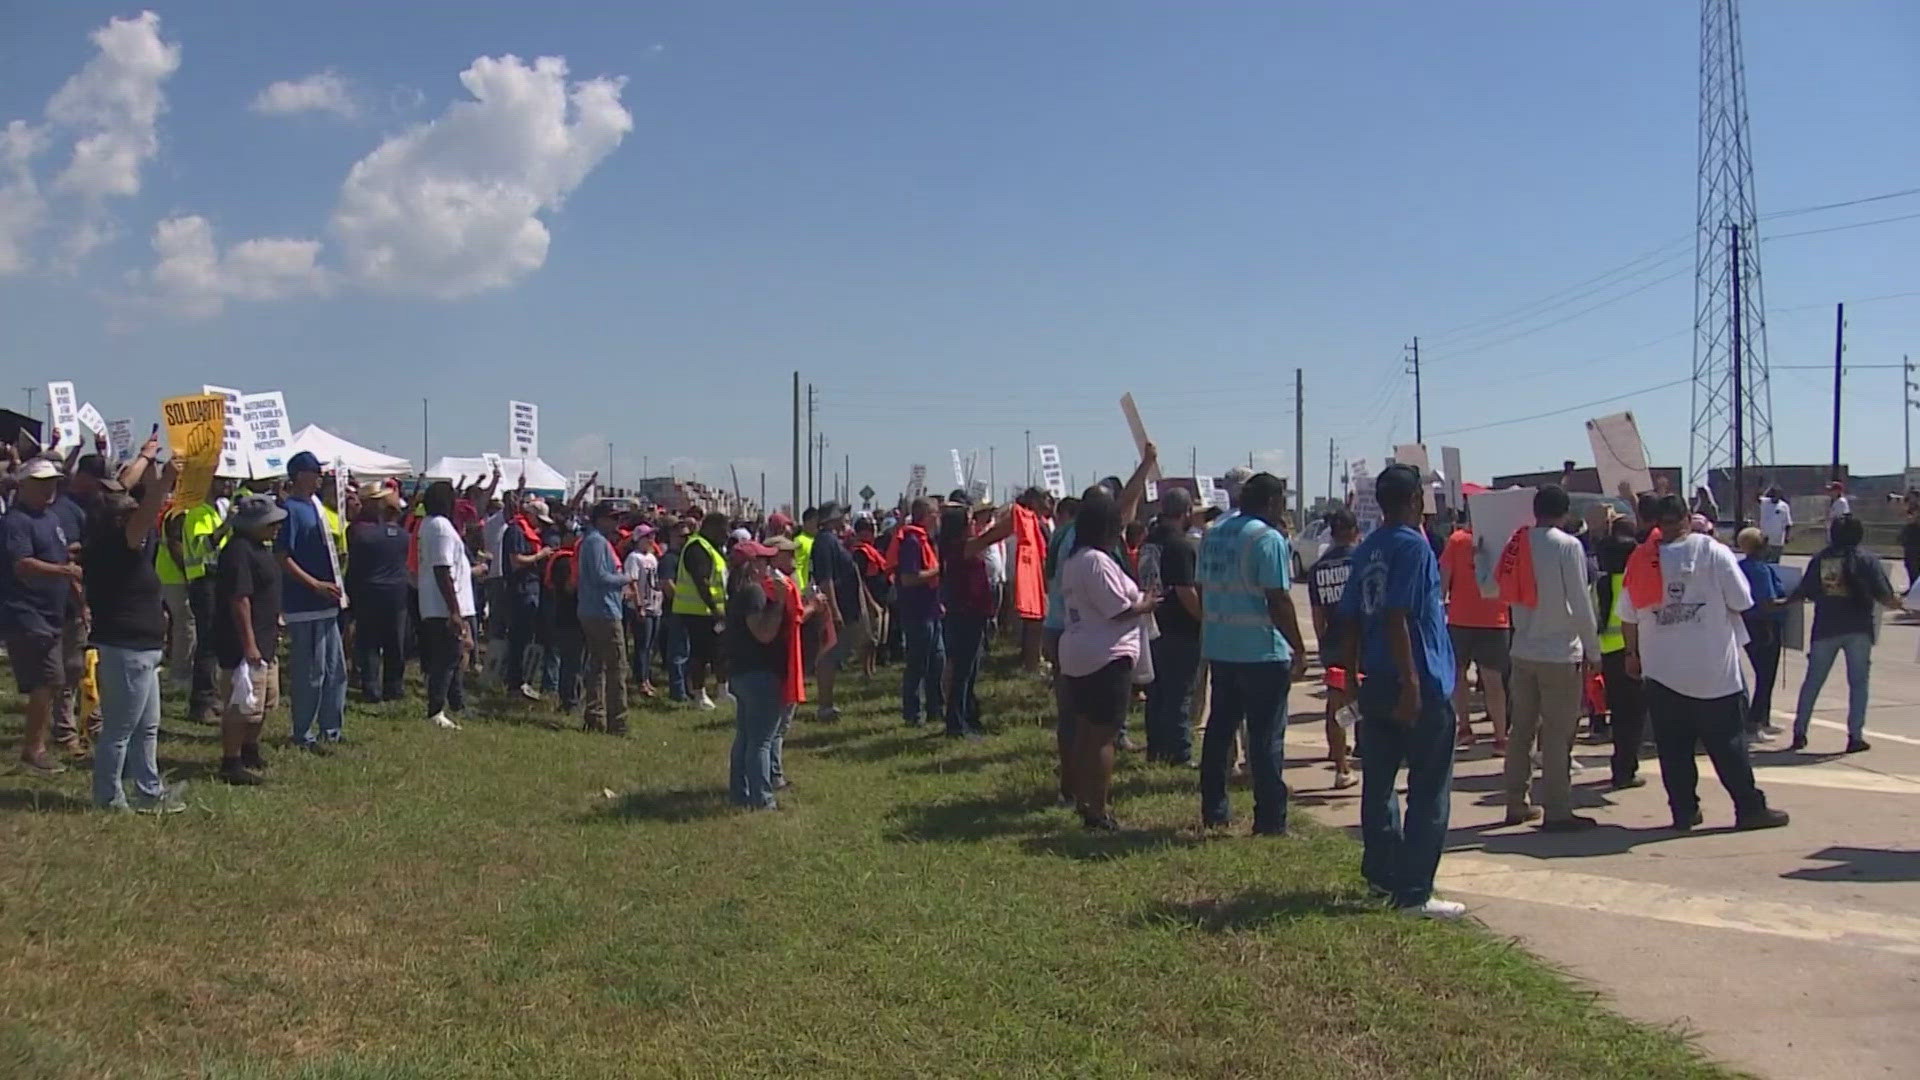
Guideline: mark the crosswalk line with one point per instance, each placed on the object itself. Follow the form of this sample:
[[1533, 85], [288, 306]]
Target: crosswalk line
[[1479, 876]]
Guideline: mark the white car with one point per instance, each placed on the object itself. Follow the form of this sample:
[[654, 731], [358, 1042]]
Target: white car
[[1308, 543]]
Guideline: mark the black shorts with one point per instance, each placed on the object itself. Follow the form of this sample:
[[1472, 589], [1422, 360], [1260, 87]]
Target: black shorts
[[1484, 647], [1102, 697], [703, 641], [37, 661]]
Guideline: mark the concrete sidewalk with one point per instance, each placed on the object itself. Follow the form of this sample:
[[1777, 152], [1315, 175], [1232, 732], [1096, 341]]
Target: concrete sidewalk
[[1791, 952]]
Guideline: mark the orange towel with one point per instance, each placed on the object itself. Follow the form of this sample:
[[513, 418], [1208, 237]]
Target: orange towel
[[1515, 572], [1029, 565], [1643, 580]]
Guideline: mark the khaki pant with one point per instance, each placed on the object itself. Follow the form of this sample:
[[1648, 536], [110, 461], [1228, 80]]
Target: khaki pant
[[1543, 700], [606, 674]]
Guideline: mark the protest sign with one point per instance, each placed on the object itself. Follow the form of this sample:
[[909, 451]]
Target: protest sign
[[1366, 508], [269, 435], [1450, 470], [196, 430], [917, 482], [1415, 454], [120, 440], [65, 407], [523, 429], [1496, 515], [582, 480], [1220, 500], [1619, 455], [233, 442], [1052, 476], [91, 419], [1139, 431], [959, 471]]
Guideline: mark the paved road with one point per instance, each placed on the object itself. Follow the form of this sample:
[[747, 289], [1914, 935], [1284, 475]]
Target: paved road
[[1792, 952]]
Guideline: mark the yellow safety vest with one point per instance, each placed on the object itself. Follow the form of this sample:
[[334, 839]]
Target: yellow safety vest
[[196, 539], [803, 559], [686, 594], [338, 528], [1612, 638], [163, 564]]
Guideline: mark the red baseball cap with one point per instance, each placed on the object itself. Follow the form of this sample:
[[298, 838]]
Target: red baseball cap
[[779, 521]]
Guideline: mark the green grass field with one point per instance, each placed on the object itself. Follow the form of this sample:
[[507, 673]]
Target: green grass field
[[437, 904]]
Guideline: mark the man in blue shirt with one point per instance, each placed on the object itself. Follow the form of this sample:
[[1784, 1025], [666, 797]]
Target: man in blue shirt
[[1250, 639], [602, 583], [311, 599], [917, 599], [1405, 661], [37, 583]]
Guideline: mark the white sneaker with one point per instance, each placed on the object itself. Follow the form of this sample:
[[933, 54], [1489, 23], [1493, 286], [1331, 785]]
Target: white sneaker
[[528, 692], [442, 720], [1772, 731], [706, 702], [1436, 908]]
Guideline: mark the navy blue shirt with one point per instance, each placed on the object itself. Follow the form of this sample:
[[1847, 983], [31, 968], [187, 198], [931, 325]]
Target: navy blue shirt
[[832, 563], [377, 556], [1394, 570], [1844, 584], [33, 605], [919, 603], [304, 536]]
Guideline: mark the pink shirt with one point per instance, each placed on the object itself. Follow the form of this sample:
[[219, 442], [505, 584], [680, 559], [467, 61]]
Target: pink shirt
[[1095, 591]]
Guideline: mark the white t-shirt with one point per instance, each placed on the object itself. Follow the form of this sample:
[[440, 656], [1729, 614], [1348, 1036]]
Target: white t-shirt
[[1691, 643], [643, 569], [440, 545], [1776, 517], [1839, 508], [492, 534]]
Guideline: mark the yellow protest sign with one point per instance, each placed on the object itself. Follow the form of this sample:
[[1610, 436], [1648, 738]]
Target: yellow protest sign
[[196, 429]]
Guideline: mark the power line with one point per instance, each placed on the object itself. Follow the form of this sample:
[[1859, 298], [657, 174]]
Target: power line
[[1568, 409], [1837, 205], [1484, 346], [1842, 228]]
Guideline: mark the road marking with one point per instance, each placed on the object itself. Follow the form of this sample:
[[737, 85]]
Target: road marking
[[1876, 930], [1781, 714]]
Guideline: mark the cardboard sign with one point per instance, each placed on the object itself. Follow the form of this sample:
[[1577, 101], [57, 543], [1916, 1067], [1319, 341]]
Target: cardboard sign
[[1619, 455], [1450, 467], [120, 440], [196, 430], [233, 443], [1415, 454], [91, 419], [1366, 508], [1139, 434], [1052, 476], [65, 406], [523, 429], [1496, 516], [269, 434]]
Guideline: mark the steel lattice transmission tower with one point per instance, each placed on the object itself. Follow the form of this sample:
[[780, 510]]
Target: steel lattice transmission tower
[[1729, 311]]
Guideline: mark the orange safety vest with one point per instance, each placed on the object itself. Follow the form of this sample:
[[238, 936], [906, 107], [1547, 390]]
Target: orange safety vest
[[793, 687], [1029, 565]]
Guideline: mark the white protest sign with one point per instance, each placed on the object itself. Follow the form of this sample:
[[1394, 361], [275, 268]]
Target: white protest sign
[[233, 447], [917, 482], [959, 471], [120, 440], [1450, 466], [90, 418], [1366, 508], [1619, 455], [523, 429], [1496, 515], [1415, 454], [977, 491], [269, 433], [65, 406], [582, 481], [1052, 476], [1219, 499], [1139, 431]]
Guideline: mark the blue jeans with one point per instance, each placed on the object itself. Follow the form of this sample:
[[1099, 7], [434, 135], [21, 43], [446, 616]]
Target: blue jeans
[[925, 661], [566, 659], [1821, 654], [317, 670], [756, 722], [129, 725], [675, 647], [965, 638], [641, 630], [1402, 854], [776, 767], [1176, 663], [1255, 694]]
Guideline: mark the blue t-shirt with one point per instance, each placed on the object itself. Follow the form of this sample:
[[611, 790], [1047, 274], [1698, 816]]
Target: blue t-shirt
[[918, 603], [1057, 552], [1240, 559], [33, 605], [304, 536], [1394, 570], [1763, 581]]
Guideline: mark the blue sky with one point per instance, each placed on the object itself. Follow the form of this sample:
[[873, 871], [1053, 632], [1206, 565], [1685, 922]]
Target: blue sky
[[960, 221]]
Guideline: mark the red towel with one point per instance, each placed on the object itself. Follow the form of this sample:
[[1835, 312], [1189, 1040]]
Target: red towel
[[1515, 572], [1029, 562], [1643, 580], [793, 686]]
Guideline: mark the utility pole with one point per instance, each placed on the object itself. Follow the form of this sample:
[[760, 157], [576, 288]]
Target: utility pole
[[820, 465], [1193, 462], [30, 392], [1740, 401], [1329, 470], [426, 460], [609, 482], [763, 494], [1029, 457], [796, 442], [1906, 421], [992, 489], [810, 449], [1839, 346], [1299, 449], [1413, 368], [846, 479]]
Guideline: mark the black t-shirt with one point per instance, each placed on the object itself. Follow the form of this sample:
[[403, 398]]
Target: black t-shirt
[[1173, 552], [1910, 542], [744, 651], [832, 563], [246, 568], [123, 589], [33, 605], [1844, 584], [376, 556], [73, 515], [1326, 582]]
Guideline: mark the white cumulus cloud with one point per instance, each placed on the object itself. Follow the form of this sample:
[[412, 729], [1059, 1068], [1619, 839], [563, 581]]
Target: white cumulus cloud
[[452, 207], [325, 92], [22, 209], [193, 277]]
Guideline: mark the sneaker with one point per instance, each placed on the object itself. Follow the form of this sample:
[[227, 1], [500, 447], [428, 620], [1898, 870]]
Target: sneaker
[[706, 701], [443, 721], [1435, 908], [528, 692], [313, 748], [232, 772], [827, 715], [1105, 823], [1124, 744], [41, 765], [1619, 784], [1570, 823], [1858, 746], [1520, 815], [1799, 743], [1698, 819], [1765, 819], [173, 802], [1772, 731]]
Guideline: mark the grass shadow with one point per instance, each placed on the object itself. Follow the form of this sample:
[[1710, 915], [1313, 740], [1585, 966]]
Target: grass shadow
[[972, 819], [671, 805], [971, 764], [42, 801], [914, 741], [1082, 846], [1251, 910]]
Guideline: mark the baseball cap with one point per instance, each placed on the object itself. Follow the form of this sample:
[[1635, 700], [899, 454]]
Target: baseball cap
[[752, 549], [832, 511], [779, 521], [304, 461], [41, 468], [741, 536]]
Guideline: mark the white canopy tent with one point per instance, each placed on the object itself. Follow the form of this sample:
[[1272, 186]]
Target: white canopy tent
[[359, 460], [541, 477]]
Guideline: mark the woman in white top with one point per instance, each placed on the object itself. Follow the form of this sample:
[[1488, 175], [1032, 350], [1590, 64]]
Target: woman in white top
[[1098, 649]]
